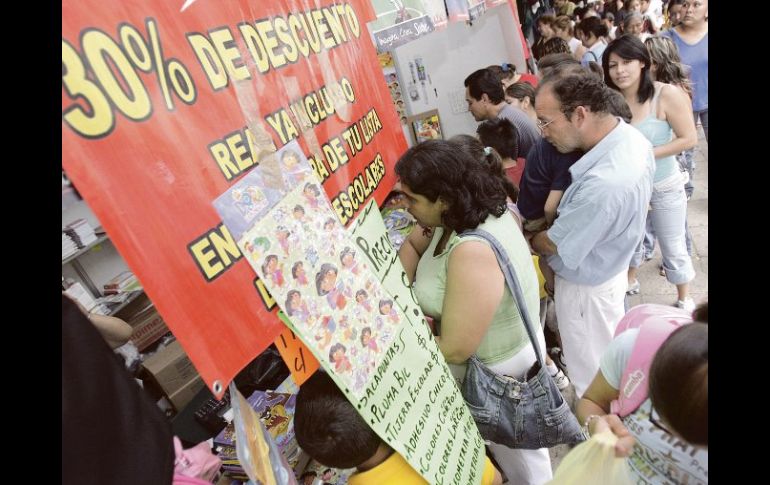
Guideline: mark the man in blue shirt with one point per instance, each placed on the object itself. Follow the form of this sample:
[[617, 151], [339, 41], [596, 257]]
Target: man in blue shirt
[[601, 215]]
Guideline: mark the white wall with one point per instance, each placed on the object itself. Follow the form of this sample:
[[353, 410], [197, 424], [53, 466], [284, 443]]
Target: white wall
[[451, 55]]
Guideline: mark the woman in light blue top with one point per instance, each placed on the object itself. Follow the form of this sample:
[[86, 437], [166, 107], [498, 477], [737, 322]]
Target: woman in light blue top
[[662, 113]]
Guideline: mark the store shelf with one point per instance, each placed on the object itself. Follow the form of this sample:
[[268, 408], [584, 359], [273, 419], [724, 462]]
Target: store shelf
[[119, 306], [99, 240]]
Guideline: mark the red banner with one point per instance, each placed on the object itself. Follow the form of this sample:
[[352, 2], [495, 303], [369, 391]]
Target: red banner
[[164, 108]]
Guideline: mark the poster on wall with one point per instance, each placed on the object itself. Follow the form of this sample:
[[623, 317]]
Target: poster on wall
[[425, 126], [374, 343], [401, 21], [165, 106], [394, 84]]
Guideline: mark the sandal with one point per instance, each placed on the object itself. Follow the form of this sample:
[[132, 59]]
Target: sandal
[[633, 288], [661, 270]]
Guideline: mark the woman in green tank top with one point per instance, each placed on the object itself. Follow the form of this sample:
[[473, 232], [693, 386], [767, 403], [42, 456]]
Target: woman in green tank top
[[457, 280]]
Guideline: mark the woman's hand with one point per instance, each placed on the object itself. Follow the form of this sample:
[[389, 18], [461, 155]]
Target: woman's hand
[[625, 444]]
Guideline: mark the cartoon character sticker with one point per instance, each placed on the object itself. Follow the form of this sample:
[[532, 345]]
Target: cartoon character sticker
[[283, 235], [296, 307], [298, 273], [339, 359], [293, 171], [348, 260], [367, 341], [249, 201], [273, 270], [362, 299], [311, 194], [327, 285], [386, 308]]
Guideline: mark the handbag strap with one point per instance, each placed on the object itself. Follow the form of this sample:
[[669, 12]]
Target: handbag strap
[[513, 283]]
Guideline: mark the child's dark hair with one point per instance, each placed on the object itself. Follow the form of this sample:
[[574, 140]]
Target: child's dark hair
[[491, 158], [679, 382], [520, 91], [504, 71], [501, 135], [329, 428], [701, 313], [555, 45]]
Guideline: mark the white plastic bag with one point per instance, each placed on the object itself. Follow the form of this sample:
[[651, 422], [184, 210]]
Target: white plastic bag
[[594, 462]]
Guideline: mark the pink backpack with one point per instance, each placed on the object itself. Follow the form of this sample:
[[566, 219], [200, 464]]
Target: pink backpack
[[655, 323]]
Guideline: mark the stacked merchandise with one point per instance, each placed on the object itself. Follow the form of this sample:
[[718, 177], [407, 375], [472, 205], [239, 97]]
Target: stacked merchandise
[[68, 246], [81, 232], [123, 283], [276, 411], [77, 292]]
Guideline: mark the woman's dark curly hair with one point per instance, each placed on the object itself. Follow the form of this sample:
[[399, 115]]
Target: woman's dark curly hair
[[473, 188]]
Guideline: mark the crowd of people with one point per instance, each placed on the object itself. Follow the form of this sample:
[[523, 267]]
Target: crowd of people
[[598, 149]]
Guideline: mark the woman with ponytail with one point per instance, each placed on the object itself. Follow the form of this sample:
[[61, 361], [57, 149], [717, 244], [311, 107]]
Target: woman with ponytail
[[453, 186]]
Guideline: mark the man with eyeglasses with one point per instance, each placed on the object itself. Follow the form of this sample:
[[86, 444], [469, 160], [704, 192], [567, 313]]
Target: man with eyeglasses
[[600, 217], [486, 101]]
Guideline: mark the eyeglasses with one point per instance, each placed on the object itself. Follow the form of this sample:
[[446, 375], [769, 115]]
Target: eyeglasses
[[542, 125], [655, 420]]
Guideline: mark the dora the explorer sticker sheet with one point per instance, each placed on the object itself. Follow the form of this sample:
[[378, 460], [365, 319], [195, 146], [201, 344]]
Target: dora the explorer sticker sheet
[[388, 366]]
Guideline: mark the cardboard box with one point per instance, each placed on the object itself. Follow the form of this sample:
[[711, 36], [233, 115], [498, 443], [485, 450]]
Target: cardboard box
[[171, 368], [148, 328], [186, 393]]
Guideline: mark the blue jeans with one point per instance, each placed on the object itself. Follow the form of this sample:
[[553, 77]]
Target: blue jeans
[[704, 121], [649, 236], [687, 164], [668, 216], [686, 159]]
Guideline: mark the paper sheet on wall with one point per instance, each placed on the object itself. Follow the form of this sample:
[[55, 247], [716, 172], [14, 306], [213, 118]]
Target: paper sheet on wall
[[374, 345]]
